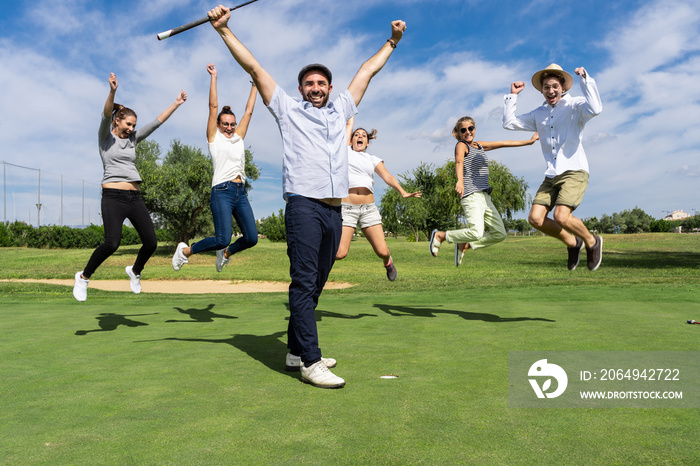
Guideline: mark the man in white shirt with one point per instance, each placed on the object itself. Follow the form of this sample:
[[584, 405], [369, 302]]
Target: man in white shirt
[[560, 122], [315, 179]]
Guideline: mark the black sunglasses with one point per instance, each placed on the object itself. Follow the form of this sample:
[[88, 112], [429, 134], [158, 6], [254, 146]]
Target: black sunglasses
[[464, 130]]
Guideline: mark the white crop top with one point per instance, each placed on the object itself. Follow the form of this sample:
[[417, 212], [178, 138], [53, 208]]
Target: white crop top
[[361, 167], [228, 158]]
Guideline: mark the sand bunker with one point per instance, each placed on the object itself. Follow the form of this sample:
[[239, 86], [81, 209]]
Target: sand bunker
[[187, 286]]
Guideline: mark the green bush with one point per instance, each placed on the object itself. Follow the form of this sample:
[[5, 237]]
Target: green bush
[[63, 237], [5, 239]]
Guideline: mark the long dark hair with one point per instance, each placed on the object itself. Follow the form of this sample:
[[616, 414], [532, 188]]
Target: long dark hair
[[370, 135], [121, 112]]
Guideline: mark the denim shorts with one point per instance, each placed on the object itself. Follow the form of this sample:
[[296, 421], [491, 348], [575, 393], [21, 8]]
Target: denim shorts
[[367, 214]]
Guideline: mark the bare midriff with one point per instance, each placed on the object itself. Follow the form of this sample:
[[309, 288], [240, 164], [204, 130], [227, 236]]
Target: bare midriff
[[358, 196], [127, 185]]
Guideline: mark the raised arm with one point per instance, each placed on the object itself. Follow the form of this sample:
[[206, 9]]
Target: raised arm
[[181, 98], [263, 81], [371, 67], [589, 89], [491, 145], [109, 104], [524, 122], [348, 129], [389, 179], [243, 123], [213, 103]]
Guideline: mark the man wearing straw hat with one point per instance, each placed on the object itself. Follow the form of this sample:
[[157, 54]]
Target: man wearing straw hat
[[559, 122]]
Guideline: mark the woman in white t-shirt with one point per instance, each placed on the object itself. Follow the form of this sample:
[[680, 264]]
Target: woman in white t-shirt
[[359, 206], [228, 192]]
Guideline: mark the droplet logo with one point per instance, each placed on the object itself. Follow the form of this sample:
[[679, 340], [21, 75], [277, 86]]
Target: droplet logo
[[542, 369]]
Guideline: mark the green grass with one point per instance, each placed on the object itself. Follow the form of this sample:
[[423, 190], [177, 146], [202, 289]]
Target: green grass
[[199, 379]]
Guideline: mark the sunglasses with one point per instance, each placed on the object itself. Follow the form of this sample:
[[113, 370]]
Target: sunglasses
[[470, 129], [228, 125]]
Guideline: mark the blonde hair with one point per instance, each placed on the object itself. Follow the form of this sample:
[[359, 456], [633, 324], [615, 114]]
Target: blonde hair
[[455, 131]]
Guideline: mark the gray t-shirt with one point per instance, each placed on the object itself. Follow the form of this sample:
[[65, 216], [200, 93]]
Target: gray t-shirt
[[119, 155]]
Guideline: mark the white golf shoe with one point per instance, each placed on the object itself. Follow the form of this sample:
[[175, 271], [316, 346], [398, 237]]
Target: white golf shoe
[[80, 287], [221, 260], [134, 280], [320, 376], [293, 363], [179, 258]]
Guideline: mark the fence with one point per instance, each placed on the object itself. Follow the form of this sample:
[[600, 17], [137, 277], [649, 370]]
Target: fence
[[40, 198]]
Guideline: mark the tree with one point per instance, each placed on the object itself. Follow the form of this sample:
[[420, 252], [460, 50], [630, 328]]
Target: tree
[[177, 191], [435, 209], [272, 227], [439, 208], [509, 193]]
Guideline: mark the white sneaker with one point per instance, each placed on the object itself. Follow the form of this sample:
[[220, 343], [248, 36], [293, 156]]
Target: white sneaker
[[293, 363], [135, 280], [80, 287], [320, 376], [221, 260], [179, 258]]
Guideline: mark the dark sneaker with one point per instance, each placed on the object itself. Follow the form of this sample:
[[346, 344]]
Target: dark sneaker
[[575, 254], [391, 270], [595, 254]]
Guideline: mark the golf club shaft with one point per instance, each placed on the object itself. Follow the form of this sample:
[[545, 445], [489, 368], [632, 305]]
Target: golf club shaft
[[193, 24]]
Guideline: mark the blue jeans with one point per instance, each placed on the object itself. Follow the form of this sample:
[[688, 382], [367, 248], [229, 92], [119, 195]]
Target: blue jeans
[[313, 236], [229, 199]]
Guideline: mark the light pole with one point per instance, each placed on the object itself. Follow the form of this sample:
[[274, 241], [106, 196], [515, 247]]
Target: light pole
[[38, 203]]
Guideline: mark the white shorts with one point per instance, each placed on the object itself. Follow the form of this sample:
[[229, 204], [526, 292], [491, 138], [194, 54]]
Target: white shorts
[[367, 214]]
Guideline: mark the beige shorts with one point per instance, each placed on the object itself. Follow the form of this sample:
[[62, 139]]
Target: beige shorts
[[565, 189], [367, 214]]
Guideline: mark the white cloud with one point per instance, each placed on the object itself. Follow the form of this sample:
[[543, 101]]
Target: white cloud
[[642, 149]]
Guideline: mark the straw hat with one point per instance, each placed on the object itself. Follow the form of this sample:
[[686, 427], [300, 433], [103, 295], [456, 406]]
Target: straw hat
[[552, 69]]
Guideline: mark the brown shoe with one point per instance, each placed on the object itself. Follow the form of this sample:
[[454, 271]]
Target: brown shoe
[[575, 254], [595, 254]]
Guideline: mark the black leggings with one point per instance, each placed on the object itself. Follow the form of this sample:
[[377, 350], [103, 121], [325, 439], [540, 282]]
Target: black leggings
[[118, 205]]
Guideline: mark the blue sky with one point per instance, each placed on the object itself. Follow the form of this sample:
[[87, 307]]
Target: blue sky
[[456, 58]]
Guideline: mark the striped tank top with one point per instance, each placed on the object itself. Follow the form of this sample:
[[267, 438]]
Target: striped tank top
[[475, 170]]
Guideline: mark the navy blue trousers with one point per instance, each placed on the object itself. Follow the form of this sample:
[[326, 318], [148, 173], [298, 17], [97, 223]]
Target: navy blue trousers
[[313, 236]]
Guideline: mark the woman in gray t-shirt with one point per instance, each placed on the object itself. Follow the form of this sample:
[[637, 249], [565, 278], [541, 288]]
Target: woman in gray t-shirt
[[121, 198]]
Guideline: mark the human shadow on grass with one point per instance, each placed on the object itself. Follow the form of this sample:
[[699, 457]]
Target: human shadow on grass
[[109, 321], [267, 349], [406, 311], [200, 315], [650, 259], [320, 314]]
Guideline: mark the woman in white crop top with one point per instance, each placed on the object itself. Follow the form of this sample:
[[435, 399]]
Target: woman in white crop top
[[359, 206], [228, 193]]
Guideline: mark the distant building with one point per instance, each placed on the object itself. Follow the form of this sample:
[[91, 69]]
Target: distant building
[[677, 215]]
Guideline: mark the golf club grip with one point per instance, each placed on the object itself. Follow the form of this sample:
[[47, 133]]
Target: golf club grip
[[179, 29], [193, 24]]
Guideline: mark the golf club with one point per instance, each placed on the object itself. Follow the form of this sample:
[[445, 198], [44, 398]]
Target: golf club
[[193, 24]]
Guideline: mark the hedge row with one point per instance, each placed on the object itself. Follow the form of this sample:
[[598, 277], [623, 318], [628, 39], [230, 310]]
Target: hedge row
[[53, 236]]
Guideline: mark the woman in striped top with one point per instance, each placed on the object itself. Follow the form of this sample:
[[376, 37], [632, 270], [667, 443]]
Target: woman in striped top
[[472, 167]]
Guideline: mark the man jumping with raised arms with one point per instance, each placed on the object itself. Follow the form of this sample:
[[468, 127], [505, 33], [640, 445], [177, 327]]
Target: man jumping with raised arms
[[559, 121], [315, 179]]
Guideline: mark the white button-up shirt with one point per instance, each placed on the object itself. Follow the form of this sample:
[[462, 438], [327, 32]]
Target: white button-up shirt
[[314, 144], [560, 127]]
